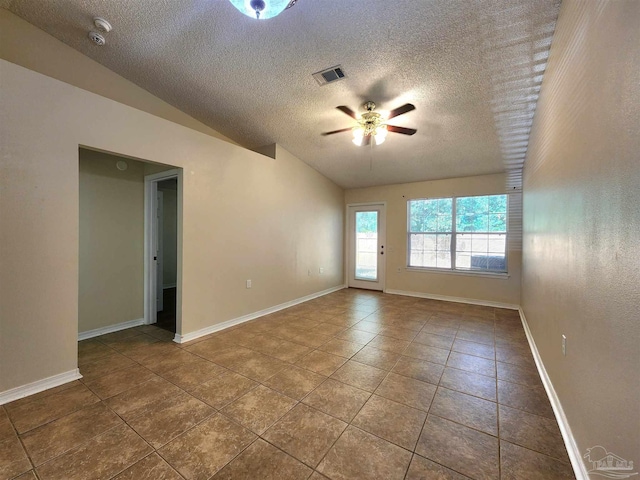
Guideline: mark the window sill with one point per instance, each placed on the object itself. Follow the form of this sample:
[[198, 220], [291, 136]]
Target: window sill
[[500, 276]]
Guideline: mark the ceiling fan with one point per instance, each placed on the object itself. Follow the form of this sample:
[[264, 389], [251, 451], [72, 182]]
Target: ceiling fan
[[373, 124]]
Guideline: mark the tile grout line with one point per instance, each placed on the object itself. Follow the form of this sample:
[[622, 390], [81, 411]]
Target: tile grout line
[[293, 363]]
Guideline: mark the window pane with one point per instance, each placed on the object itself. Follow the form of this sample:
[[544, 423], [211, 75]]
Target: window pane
[[423, 215], [475, 205], [498, 204], [444, 242], [479, 243], [497, 244], [464, 223], [479, 262], [463, 243], [366, 245], [429, 259], [429, 242], [481, 223], [498, 222], [472, 223], [445, 205], [445, 222], [472, 214], [443, 260], [464, 205], [463, 260], [430, 250], [367, 222], [481, 204], [417, 242], [481, 251]]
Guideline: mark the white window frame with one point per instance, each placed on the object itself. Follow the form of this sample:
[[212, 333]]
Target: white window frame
[[454, 233]]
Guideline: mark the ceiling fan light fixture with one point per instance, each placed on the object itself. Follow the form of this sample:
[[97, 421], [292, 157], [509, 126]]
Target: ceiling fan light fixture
[[380, 134], [262, 9], [358, 135]]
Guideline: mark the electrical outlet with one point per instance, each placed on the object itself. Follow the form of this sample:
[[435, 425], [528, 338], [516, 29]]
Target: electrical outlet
[[321, 271], [564, 345], [248, 283]]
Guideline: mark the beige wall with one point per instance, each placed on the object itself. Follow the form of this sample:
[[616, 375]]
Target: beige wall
[[244, 216], [111, 263], [479, 288], [24, 44], [581, 269]]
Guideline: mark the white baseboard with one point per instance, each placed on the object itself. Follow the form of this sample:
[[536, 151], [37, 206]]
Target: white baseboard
[[39, 386], [445, 298], [575, 456], [251, 316], [110, 329]]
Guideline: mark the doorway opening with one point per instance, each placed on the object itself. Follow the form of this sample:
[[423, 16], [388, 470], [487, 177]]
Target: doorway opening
[[162, 207], [113, 242]]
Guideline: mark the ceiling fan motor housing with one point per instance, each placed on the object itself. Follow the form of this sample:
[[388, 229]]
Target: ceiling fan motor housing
[[370, 120]]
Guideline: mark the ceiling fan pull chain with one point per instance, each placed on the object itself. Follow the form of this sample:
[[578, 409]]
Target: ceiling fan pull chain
[[371, 157]]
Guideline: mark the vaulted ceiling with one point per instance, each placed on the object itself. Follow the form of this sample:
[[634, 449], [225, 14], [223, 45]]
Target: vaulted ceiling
[[473, 69]]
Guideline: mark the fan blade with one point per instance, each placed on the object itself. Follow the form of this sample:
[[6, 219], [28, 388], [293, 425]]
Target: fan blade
[[336, 131], [403, 130], [366, 140], [348, 111], [407, 107]]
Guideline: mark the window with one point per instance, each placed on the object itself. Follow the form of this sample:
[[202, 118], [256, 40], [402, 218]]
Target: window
[[458, 233]]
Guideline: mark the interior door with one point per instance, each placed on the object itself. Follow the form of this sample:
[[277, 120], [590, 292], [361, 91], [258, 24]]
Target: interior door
[[158, 257], [366, 259]]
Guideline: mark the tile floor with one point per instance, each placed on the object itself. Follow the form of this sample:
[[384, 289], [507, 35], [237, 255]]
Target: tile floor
[[352, 385]]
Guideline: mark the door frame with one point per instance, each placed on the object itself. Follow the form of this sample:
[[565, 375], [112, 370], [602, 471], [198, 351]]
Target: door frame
[[150, 276], [382, 241]]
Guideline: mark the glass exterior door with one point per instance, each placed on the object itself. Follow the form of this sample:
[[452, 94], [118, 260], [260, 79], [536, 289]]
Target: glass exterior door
[[366, 247], [366, 231]]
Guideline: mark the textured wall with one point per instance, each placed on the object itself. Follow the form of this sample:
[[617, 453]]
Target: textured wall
[[581, 269], [111, 262], [244, 216], [482, 288]]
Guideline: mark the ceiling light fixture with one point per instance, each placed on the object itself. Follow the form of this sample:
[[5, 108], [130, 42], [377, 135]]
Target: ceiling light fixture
[[262, 9], [370, 124]]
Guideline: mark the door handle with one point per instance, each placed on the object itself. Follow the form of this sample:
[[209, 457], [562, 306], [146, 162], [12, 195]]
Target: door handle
[[155, 258]]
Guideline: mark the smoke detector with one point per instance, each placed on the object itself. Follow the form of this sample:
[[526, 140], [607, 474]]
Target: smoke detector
[[102, 25], [96, 38]]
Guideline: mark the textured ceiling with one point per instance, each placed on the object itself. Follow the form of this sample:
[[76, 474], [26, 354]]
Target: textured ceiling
[[472, 69]]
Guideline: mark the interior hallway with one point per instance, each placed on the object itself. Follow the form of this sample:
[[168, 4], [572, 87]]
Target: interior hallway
[[355, 384], [166, 318]]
